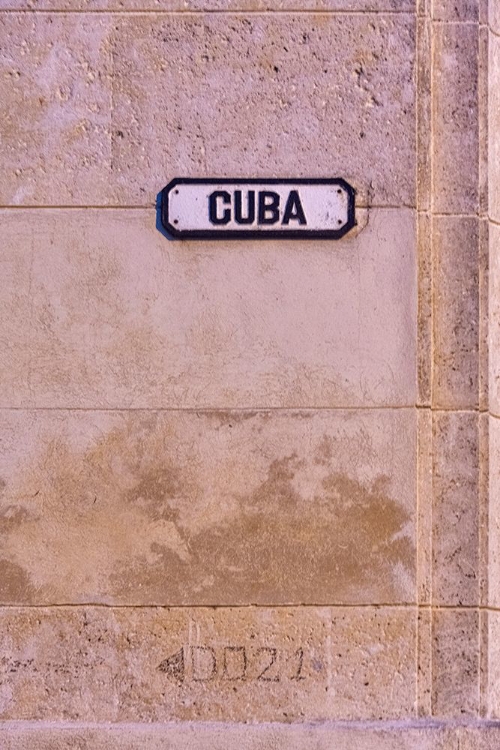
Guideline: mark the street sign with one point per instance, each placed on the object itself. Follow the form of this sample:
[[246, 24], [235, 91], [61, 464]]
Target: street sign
[[257, 209]]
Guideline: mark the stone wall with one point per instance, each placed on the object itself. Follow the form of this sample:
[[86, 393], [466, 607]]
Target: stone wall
[[246, 482], [494, 238]]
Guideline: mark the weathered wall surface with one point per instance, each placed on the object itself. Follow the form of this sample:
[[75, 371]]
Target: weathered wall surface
[[494, 371], [248, 481]]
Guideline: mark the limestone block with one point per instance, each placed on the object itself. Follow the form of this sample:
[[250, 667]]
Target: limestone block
[[15, 307], [294, 74], [244, 664], [483, 649], [212, 5], [456, 508], [456, 312], [118, 316], [455, 119], [484, 311], [424, 316], [494, 122], [424, 494], [455, 661], [456, 10], [55, 87], [483, 116], [479, 738], [494, 514], [494, 665], [494, 17], [484, 507], [258, 95], [483, 12], [424, 112], [200, 736], [424, 662], [494, 318], [208, 508]]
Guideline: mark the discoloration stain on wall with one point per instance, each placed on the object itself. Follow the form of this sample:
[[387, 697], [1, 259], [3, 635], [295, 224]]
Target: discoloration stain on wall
[[283, 548], [15, 584], [213, 507]]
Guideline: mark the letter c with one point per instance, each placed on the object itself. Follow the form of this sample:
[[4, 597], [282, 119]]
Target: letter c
[[212, 207]]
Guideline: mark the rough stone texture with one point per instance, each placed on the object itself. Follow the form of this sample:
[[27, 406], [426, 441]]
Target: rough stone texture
[[55, 75], [455, 119], [199, 736], [494, 514], [494, 124], [483, 11], [424, 506], [483, 115], [494, 661], [425, 304], [485, 737], [455, 10], [455, 313], [494, 20], [90, 132], [212, 5], [242, 506], [483, 648], [208, 507], [112, 315], [14, 308], [492, 679], [494, 318], [484, 318], [88, 664], [456, 508], [424, 662], [219, 736], [484, 510], [424, 114], [455, 663]]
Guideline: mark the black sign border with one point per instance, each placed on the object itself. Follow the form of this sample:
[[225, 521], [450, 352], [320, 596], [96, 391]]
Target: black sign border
[[272, 234]]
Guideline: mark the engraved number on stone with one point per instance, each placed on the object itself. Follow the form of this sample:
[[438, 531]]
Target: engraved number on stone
[[300, 656], [271, 657], [234, 663], [231, 664]]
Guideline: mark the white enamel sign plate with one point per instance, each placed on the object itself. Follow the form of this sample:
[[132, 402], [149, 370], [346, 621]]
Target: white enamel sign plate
[[264, 209]]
